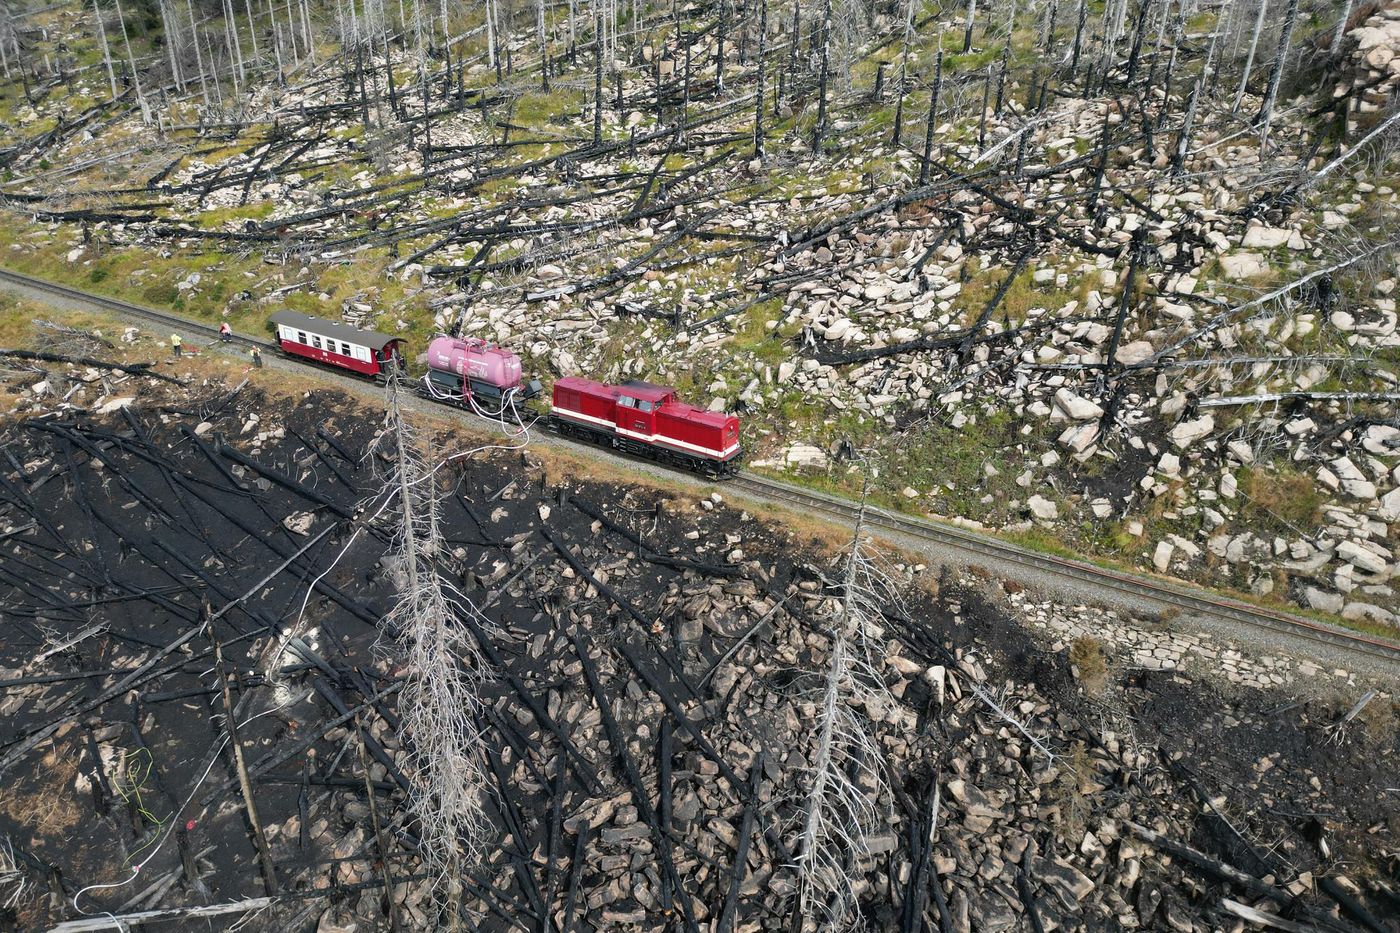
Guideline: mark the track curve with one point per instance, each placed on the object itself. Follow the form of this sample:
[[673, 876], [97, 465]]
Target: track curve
[[1087, 576], [1154, 590]]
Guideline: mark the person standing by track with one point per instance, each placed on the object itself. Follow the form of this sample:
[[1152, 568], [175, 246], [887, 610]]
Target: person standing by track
[[176, 346]]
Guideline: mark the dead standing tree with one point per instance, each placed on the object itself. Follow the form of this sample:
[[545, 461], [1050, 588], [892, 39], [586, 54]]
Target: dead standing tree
[[820, 129], [843, 24], [1266, 110], [440, 707], [847, 779]]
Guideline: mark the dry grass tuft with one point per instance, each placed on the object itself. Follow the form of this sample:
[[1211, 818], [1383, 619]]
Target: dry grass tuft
[[49, 806], [1380, 722], [1089, 664]]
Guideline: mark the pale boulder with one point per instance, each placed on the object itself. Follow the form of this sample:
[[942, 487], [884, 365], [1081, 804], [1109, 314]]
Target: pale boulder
[[1188, 432], [1162, 556], [1354, 483], [805, 456], [116, 404], [1075, 407], [1079, 438], [1134, 352], [1323, 601], [837, 329], [1259, 236], [1389, 510], [1381, 439], [1379, 57], [1368, 612], [1244, 265], [1363, 558], [1043, 508]]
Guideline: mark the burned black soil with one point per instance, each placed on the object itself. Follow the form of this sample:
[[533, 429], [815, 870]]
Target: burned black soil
[[122, 535]]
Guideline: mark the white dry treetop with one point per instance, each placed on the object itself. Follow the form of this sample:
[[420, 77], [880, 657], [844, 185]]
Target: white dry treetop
[[847, 779], [12, 880], [441, 702]]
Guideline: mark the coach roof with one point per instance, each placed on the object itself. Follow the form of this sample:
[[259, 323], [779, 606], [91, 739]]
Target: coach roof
[[342, 332]]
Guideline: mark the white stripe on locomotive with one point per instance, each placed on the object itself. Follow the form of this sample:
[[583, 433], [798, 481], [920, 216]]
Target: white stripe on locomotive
[[650, 438]]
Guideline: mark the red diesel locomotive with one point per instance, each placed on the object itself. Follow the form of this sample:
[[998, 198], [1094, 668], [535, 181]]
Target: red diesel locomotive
[[636, 417], [647, 420]]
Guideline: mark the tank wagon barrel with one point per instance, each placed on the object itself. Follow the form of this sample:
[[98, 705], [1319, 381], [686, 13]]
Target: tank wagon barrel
[[472, 373]]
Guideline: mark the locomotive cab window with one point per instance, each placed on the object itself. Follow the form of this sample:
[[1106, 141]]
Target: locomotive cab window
[[646, 406], [626, 401]]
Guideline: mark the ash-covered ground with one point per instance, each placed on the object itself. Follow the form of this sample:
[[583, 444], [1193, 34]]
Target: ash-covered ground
[[1034, 784]]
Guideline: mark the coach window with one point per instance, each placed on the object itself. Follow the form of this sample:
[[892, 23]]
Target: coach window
[[345, 349], [301, 336]]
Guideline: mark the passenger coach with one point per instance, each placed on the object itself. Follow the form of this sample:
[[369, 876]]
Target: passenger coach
[[361, 351]]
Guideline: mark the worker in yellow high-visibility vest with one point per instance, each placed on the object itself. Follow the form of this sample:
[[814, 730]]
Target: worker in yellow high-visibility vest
[[176, 345]]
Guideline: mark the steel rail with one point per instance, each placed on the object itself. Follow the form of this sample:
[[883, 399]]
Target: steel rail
[[1139, 587], [118, 306], [1159, 591]]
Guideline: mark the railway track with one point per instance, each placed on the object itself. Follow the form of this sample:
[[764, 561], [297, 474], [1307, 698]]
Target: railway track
[[1002, 552], [1083, 576]]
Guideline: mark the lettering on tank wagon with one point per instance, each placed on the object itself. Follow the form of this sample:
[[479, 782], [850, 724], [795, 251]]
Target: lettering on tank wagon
[[650, 438]]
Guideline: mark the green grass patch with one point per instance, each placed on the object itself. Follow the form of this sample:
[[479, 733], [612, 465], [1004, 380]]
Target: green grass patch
[[217, 217], [535, 108], [1280, 499]]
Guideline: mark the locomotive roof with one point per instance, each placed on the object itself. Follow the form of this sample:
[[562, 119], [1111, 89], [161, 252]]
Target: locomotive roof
[[342, 332], [650, 392], [645, 391]]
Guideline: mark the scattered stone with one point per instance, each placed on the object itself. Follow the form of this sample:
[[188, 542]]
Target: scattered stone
[[1187, 433], [1043, 508]]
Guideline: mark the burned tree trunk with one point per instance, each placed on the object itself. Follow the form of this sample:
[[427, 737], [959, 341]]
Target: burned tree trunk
[[1249, 58], [820, 129], [1079, 36], [106, 50], [932, 114], [1266, 111], [722, 35], [544, 48], [903, 72], [758, 94], [1337, 35], [598, 80]]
